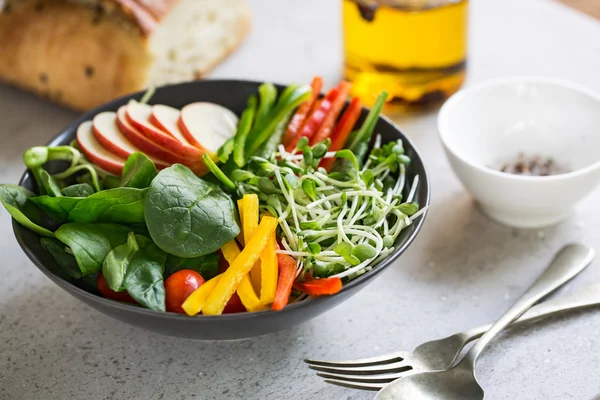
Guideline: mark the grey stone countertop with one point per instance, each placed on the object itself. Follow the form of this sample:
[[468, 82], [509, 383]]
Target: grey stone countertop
[[463, 269]]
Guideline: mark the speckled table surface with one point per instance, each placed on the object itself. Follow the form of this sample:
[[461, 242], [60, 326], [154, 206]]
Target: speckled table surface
[[462, 271]]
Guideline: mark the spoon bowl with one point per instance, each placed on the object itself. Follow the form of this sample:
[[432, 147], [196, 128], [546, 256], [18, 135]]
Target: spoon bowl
[[456, 383]]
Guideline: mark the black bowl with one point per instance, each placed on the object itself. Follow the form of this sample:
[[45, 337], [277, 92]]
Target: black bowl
[[233, 95]]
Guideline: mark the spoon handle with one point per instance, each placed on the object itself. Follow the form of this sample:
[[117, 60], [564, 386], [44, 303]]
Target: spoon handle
[[587, 297], [569, 261]]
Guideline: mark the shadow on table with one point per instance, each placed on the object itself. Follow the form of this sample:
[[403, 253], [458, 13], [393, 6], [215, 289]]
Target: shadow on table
[[54, 345], [462, 245]]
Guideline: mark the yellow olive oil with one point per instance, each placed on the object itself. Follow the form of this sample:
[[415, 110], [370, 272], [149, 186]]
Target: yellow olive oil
[[414, 49]]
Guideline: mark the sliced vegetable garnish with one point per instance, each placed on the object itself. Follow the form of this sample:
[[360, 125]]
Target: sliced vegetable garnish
[[326, 127], [319, 287], [243, 130], [342, 130], [250, 223], [315, 119], [245, 290], [240, 266], [303, 111], [195, 302], [287, 275]]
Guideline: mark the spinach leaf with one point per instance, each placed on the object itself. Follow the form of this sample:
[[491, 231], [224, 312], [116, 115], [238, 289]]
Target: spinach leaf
[[57, 207], [207, 266], [187, 216], [15, 199], [78, 190], [122, 205], [66, 261], [91, 242], [138, 172], [144, 278], [115, 264], [50, 184]]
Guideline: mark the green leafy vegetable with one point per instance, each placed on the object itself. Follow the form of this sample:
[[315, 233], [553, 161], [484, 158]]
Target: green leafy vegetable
[[78, 190], [91, 242], [15, 199], [122, 205], [207, 266], [66, 261], [114, 266], [187, 216], [138, 172], [144, 279]]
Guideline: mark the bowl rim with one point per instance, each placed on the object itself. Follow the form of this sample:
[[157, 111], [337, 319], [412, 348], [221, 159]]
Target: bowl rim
[[418, 224], [461, 95]]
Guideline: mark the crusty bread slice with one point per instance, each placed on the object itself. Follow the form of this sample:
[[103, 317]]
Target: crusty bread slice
[[194, 37], [83, 53]]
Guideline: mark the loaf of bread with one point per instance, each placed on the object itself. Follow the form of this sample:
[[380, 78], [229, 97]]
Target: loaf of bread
[[83, 53]]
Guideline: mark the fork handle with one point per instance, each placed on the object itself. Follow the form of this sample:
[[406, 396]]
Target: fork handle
[[569, 261], [587, 297]]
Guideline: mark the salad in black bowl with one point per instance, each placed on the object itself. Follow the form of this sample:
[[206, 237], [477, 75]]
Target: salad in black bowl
[[174, 214]]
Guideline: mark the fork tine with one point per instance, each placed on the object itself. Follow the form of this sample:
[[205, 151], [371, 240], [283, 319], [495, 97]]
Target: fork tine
[[380, 378], [360, 362], [356, 385], [368, 370]]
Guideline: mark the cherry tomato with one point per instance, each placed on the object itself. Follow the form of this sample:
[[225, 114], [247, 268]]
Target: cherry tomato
[[234, 305], [107, 292], [179, 286]]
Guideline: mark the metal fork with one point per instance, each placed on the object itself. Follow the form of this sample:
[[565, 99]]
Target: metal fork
[[375, 372]]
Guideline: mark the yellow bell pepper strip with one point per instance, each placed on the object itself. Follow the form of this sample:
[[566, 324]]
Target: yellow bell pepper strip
[[269, 271], [240, 236], [242, 264], [195, 301], [250, 218], [245, 290]]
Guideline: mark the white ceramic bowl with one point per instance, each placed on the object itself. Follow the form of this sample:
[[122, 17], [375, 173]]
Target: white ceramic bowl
[[487, 124]]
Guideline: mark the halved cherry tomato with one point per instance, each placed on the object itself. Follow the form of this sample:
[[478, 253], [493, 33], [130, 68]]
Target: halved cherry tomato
[[107, 292], [179, 286]]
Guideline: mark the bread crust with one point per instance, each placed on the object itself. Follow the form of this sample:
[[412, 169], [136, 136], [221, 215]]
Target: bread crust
[[84, 53], [68, 53]]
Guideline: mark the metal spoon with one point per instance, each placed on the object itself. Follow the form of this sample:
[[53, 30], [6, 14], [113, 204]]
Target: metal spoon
[[459, 382]]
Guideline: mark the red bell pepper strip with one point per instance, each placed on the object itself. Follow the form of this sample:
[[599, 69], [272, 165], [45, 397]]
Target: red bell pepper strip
[[320, 287], [315, 119], [302, 112], [287, 275], [342, 130], [327, 127]]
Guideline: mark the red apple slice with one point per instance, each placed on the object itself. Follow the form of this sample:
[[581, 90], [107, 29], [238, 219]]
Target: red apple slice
[[139, 140], [207, 125], [139, 116], [107, 132], [94, 151], [165, 118]]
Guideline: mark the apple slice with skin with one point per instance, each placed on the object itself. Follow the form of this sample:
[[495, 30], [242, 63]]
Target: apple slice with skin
[[207, 125], [95, 152], [153, 149], [140, 141], [165, 118], [139, 116], [108, 134]]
